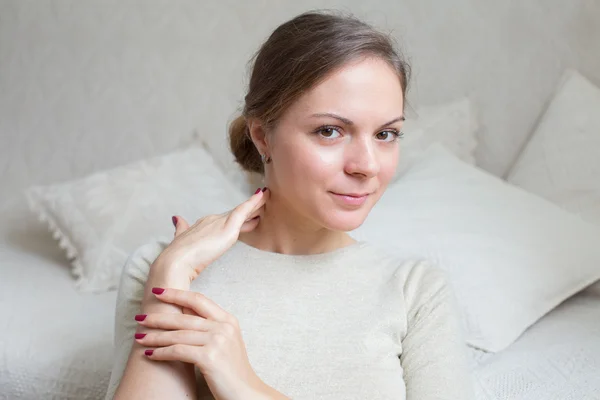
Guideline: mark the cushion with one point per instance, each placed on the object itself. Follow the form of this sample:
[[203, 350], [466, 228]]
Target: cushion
[[561, 161], [101, 218], [510, 255], [452, 124]]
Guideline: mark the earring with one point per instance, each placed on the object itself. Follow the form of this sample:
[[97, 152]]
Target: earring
[[265, 159]]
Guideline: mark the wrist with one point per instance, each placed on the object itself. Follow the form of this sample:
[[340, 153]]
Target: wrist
[[162, 275], [261, 391], [165, 273]]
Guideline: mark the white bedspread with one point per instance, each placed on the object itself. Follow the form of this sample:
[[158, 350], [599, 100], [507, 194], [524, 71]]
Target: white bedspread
[[55, 343], [556, 359]]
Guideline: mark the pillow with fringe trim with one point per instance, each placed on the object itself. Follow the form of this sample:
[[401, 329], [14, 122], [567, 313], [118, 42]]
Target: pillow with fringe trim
[[100, 219]]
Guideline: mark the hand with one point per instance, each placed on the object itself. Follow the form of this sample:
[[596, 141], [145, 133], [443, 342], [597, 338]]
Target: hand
[[195, 247], [208, 337]]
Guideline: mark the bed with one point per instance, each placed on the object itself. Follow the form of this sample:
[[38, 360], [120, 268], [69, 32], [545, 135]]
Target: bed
[[556, 359], [56, 342], [76, 100]]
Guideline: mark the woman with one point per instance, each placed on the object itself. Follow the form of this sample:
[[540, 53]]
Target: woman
[[274, 300]]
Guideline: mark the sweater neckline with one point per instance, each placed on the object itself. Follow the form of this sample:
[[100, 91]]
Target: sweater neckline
[[255, 252]]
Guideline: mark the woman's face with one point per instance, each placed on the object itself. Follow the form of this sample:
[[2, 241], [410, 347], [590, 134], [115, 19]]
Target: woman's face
[[336, 149]]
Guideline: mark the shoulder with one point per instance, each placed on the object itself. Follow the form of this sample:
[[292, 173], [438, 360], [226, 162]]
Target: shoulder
[[422, 275], [139, 261], [375, 255], [409, 271], [413, 276], [135, 274], [151, 249], [419, 280], [426, 290]]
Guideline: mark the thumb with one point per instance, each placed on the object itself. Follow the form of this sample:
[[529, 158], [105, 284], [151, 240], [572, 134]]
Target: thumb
[[181, 225]]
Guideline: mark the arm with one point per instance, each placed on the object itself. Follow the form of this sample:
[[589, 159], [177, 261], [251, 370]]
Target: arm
[[133, 375], [433, 350], [266, 392]]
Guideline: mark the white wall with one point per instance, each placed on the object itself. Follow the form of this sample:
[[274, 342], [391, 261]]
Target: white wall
[[86, 85]]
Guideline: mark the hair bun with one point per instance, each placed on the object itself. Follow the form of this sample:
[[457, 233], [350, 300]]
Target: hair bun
[[242, 147]]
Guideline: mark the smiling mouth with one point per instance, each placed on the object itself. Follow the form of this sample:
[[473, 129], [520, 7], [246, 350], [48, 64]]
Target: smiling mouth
[[358, 195], [352, 199]]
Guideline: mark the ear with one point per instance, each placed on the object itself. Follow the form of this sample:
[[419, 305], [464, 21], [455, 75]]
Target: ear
[[258, 135]]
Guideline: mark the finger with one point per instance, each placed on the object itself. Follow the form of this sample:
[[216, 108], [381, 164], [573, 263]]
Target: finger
[[250, 225], [177, 352], [169, 338], [253, 215], [181, 225], [172, 321], [242, 212], [258, 209], [254, 219], [197, 302], [249, 206]]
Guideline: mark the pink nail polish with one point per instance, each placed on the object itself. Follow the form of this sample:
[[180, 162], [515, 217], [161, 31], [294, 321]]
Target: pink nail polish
[[264, 189], [174, 219], [140, 317], [157, 290], [140, 335], [257, 190], [149, 352]]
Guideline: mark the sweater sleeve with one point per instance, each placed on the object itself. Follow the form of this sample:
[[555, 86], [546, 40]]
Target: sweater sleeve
[[434, 357], [129, 299]]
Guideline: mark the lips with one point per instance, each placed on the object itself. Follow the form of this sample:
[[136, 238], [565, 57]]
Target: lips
[[351, 200], [352, 194]]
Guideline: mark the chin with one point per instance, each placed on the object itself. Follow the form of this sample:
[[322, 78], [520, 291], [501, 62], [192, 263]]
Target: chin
[[345, 221]]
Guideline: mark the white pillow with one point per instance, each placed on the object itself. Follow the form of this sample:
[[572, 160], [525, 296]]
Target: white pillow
[[511, 256], [561, 161], [100, 219], [452, 124]]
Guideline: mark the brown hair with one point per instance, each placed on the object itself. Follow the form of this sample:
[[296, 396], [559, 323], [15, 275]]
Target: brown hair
[[298, 55]]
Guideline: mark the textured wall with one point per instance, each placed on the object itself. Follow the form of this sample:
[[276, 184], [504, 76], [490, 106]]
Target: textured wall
[[86, 85]]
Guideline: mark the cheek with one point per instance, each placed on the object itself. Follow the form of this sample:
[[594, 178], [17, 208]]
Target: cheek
[[308, 163], [387, 173], [388, 167]]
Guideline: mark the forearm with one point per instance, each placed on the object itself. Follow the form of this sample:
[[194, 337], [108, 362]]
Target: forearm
[[272, 394], [147, 379], [266, 392]]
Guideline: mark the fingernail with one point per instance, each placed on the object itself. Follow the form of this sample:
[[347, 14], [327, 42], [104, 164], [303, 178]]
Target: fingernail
[[257, 190], [264, 189], [157, 290], [149, 352], [140, 335], [140, 317], [174, 219]]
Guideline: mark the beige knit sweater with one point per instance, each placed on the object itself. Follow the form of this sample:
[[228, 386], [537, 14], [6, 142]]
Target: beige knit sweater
[[354, 323]]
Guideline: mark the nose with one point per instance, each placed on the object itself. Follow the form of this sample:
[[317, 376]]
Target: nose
[[361, 157]]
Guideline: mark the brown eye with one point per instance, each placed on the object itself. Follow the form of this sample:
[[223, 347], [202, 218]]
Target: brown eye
[[329, 132], [388, 136]]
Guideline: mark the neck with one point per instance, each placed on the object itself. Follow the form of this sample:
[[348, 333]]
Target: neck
[[283, 230]]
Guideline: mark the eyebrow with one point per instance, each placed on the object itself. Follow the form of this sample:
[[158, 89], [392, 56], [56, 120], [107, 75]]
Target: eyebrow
[[349, 122]]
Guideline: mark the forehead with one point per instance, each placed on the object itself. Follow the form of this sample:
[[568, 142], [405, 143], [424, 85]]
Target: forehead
[[368, 88]]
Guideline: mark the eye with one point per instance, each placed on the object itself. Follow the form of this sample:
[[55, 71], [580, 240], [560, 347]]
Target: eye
[[329, 132], [389, 135]]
